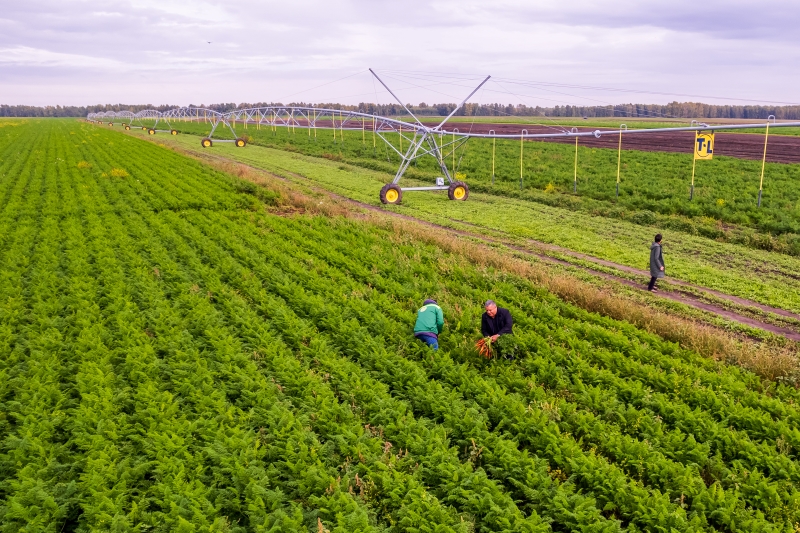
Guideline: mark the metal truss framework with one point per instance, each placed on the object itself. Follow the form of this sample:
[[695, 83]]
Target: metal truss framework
[[421, 140]]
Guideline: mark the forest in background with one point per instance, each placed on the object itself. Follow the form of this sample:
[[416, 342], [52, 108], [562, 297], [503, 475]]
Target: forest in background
[[673, 110]]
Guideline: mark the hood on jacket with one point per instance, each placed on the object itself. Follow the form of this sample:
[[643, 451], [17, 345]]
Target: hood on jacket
[[429, 301]]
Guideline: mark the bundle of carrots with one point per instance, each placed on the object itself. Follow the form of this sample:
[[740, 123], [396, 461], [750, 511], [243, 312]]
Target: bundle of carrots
[[484, 347]]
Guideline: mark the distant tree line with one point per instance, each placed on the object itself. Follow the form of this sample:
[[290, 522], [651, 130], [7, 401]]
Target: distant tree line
[[673, 110], [71, 111], [678, 110]]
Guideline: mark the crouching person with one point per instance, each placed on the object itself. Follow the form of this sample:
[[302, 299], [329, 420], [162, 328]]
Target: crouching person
[[430, 322], [496, 321], [498, 326]]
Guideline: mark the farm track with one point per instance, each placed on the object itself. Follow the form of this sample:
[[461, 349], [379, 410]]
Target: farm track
[[686, 294]]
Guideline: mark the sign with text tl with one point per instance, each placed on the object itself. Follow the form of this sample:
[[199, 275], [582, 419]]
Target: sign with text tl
[[703, 145]]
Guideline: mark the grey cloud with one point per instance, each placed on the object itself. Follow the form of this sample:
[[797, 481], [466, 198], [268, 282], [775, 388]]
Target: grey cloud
[[156, 50]]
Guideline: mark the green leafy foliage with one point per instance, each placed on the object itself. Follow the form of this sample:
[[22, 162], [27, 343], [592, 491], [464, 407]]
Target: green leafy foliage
[[174, 358], [507, 347]]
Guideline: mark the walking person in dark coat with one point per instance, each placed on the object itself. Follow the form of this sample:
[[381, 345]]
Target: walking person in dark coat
[[496, 321], [656, 263]]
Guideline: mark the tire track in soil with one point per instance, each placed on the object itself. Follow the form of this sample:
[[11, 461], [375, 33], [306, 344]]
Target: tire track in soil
[[674, 295]]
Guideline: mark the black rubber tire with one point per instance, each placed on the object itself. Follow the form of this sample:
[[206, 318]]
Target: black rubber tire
[[240, 143], [144, 128], [206, 142], [110, 123], [127, 128], [458, 190], [151, 131], [173, 132], [391, 194]]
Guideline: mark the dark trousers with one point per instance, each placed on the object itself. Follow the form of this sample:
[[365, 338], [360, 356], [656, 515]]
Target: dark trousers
[[652, 284]]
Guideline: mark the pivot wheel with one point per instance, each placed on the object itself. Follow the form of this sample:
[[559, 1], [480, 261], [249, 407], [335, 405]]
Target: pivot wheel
[[173, 132], [206, 143], [127, 127], [458, 190], [144, 128], [391, 194], [151, 131], [110, 123], [240, 142]]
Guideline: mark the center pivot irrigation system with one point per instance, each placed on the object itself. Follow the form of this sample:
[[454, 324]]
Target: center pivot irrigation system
[[422, 140]]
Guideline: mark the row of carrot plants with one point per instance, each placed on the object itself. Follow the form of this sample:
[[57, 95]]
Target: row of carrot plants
[[37, 486], [328, 311]]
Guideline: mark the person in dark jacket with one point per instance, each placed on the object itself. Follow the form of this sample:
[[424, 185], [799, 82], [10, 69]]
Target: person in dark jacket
[[430, 322], [496, 321], [656, 263]]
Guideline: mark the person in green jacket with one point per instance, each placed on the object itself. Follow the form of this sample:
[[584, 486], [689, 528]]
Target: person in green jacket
[[430, 322]]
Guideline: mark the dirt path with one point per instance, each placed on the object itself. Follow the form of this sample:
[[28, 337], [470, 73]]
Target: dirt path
[[540, 250]]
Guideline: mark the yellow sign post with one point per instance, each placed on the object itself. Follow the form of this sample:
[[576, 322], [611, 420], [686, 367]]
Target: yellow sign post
[[575, 177], [703, 150], [764, 161], [622, 127], [494, 145]]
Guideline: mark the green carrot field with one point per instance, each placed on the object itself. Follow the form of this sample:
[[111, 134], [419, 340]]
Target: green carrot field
[[180, 353]]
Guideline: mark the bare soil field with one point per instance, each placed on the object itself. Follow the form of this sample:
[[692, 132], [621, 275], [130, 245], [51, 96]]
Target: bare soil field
[[780, 149]]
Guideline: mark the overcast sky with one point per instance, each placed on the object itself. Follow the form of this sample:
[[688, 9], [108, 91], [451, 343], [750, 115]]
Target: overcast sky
[[543, 52]]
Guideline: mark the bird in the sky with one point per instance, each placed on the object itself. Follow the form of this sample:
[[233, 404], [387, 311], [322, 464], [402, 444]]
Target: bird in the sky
[[209, 42]]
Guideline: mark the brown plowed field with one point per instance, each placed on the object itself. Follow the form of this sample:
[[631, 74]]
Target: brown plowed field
[[781, 148]]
